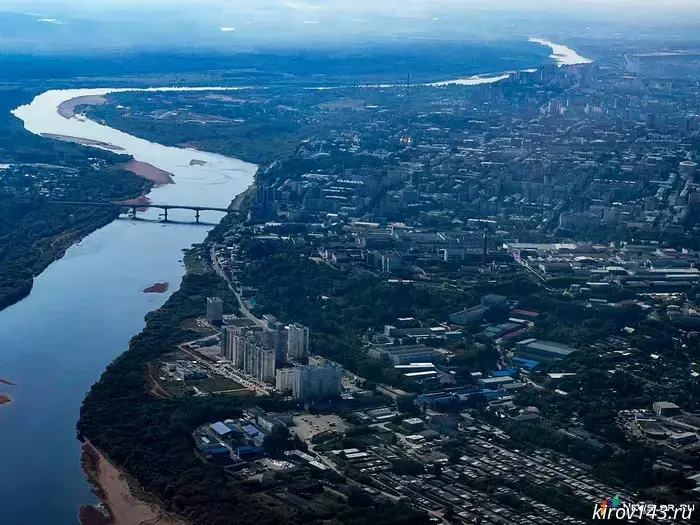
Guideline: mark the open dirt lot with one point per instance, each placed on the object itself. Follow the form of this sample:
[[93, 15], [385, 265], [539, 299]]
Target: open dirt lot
[[308, 425]]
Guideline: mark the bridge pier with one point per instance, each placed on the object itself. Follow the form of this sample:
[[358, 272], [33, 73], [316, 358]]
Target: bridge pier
[[196, 215], [165, 214], [133, 211]]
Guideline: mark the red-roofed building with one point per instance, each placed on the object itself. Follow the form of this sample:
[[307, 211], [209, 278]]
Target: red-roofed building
[[514, 335], [524, 314]]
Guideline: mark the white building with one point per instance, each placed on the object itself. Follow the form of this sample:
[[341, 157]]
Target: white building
[[267, 365], [259, 358], [297, 341], [284, 380], [233, 343], [215, 310], [317, 382], [237, 350], [227, 341]]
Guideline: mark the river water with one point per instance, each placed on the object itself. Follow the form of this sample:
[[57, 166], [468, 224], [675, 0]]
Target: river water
[[85, 307], [82, 312]]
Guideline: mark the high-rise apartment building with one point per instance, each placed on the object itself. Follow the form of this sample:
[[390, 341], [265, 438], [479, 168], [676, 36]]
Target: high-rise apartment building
[[227, 340], [258, 356], [277, 339], [284, 380], [233, 343], [238, 348], [215, 310], [266, 370], [297, 341], [317, 382]]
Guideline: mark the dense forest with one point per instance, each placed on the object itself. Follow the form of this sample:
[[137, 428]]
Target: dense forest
[[339, 306], [33, 234]]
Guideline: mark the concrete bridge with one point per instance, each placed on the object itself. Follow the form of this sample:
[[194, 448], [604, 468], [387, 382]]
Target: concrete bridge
[[134, 207]]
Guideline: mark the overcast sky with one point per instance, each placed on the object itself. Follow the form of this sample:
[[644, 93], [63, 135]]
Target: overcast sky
[[223, 23], [357, 7]]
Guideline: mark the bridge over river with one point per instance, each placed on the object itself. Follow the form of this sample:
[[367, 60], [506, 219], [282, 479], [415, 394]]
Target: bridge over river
[[134, 207]]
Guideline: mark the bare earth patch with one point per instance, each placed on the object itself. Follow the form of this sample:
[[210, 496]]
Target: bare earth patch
[[141, 202], [148, 171], [119, 505]]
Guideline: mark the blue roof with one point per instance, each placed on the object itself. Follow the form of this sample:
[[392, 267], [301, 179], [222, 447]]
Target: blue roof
[[525, 363], [251, 430], [220, 428], [248, 448], [252, 301], [492, 394], [503, 373], [216, 451]]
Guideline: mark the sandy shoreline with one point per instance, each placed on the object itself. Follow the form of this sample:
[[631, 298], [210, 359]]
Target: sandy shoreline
[[85, 142], [67, 109], [148, 171], [142, 202], [119, 506]]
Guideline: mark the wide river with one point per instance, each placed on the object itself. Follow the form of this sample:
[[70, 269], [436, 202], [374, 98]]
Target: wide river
[[82, 312], [85, 307]]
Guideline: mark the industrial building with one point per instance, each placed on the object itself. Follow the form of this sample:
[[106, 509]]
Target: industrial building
[[666, 409], [403, 354], [413, 424], [469, 315], [545, 349], [494, 382]]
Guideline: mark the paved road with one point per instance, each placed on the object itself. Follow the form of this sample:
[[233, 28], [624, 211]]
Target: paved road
[[241, 305]]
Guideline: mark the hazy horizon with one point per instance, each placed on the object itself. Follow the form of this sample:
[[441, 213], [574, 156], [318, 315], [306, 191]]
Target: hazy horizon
[[65, 25]]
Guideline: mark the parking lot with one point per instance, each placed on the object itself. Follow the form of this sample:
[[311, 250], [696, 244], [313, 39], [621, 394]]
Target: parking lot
[[308, 425]]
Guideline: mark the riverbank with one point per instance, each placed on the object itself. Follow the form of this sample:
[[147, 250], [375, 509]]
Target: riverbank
[[149, 171], [67, 109], [119, 504], [83, 142]]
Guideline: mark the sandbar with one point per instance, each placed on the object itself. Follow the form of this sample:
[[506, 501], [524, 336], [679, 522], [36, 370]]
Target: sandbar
[[4, 398], [119, 505], [148, 171], [84, 142], [157, 288], [67, 109]]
